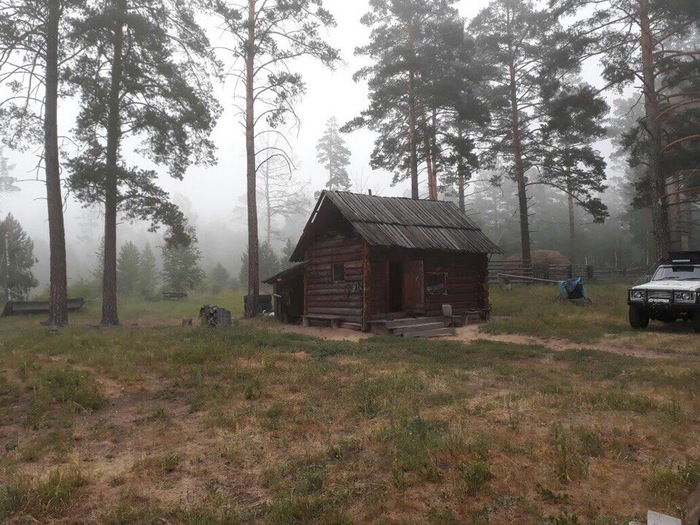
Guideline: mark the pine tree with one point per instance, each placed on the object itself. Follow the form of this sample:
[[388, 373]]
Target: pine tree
[[143, 74], [220, 279], [400, 47], [34, 50], [128, 265], [532, 55], [654, 47], [269, 263], [569, 162], [282, 193], [334, 155], [148, 273], [269, 36], [7, 181], [287, 251], [17, 259], [181, 271], [98, 271]]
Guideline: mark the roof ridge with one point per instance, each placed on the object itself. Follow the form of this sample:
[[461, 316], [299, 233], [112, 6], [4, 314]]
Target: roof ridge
[[396, 197], [468, 228]]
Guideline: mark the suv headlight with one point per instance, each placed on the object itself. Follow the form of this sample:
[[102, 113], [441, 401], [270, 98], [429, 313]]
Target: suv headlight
[[637, 295], [684, 297]]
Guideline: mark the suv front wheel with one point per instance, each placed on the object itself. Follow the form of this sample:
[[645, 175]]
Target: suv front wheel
[[696, 324], [638, 319]]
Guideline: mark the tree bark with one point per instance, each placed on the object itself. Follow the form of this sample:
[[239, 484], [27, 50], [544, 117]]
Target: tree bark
[[110, 316], [659, 208], [412, 134], [253, 243], [675, 206], [268, 215], [58, 287], [434, 154], [429, 161], [460, 174], [572, 231], [519, 165], [331, 174]]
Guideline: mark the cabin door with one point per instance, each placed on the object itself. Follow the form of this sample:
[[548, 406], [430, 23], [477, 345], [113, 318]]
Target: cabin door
[[394, 280], [413, 287]]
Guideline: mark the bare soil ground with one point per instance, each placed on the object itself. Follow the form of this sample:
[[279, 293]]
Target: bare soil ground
[[473, 332]]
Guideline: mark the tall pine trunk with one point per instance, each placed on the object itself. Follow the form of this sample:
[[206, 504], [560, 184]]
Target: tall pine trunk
[[675, 211], [268, 214], [110, 315], [460, 174], [519, 165], [434, 153], [331, 171], [412, 126], [58, 293], [659, 208], [429, 161], [573, 255], [253, 243]]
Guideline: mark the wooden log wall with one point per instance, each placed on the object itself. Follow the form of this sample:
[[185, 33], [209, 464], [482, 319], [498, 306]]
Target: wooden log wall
[[467, 282], [467, 279], [323, 296]]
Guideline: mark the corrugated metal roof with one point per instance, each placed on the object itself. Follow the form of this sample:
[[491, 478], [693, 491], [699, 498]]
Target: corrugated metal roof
[[407, 223], [412, 224]]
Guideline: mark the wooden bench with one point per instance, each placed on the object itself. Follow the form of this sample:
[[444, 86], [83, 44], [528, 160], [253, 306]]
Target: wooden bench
[[334, 319], [38, 307], [174, 295]]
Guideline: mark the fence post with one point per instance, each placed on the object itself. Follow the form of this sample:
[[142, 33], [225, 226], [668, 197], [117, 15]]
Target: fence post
[[589, 271]]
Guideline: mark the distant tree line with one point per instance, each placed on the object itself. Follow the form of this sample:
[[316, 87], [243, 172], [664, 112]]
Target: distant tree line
[[499, 96], [16, 261]]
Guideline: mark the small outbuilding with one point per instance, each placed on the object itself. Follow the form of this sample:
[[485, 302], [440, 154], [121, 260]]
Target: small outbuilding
[[364, 259]]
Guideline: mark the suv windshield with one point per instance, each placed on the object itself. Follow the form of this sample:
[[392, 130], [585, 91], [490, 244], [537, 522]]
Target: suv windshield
[[677, 272]]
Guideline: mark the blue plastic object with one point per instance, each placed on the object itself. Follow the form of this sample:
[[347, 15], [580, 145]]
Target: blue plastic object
[[572, 289]]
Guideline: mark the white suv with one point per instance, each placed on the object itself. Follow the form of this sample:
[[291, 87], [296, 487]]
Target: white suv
[[673, 294]]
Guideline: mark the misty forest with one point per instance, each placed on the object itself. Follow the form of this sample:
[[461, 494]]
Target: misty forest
[[395, 167]]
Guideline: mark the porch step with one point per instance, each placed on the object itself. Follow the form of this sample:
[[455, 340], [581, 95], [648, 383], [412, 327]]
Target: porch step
[[436, 332], [412, 321], [422, 327]]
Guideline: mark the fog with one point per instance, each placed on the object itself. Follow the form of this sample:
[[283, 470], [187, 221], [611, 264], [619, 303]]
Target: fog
[[210, 195]]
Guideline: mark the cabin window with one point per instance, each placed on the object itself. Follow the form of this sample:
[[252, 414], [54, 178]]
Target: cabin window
[[339, 273], [436, 283]]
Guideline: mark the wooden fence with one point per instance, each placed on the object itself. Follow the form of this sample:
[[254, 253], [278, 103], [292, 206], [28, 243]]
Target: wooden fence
[[519, 272]]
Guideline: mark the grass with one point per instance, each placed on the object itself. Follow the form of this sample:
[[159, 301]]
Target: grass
[[167, 424], [535, 311], [140, 313], [45, 496]]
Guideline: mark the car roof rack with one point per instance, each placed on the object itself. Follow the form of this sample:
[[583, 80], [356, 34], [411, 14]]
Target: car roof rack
[[684, 257]]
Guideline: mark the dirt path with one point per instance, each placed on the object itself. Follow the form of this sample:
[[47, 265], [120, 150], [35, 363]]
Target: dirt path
[[470, 333], [327, 333]]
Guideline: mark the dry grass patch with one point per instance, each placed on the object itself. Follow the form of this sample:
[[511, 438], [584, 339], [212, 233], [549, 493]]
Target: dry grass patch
[[254, 426]]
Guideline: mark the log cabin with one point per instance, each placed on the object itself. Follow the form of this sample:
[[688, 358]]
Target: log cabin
[[364, 260]]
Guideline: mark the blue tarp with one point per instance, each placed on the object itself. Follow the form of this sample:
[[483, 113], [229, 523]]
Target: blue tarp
[[572, 289]]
